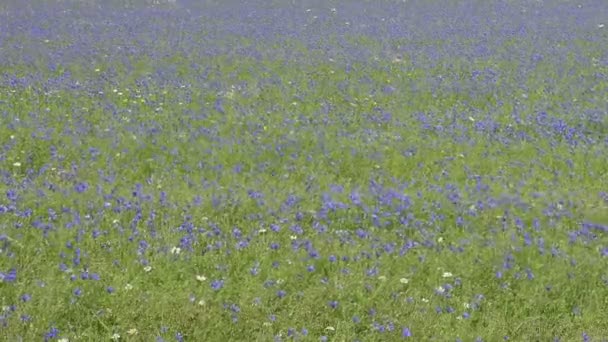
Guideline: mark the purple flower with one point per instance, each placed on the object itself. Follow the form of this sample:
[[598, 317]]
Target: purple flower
[[333, 304], [8, 277], [216, 285], [81, 187], [51, 334], [405, 332]]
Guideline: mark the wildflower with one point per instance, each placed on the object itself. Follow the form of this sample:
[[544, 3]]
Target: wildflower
[[201, 278], [115, 337], [132, 331], [148, 268], [8, 277], [216, 285], [405, 332], [51, 334], [81, 187], [404, 280], [447, 274]]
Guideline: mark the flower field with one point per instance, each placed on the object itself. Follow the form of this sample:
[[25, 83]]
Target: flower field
[[303, 171]]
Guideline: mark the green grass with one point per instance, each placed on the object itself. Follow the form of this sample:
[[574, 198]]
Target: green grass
[[297, 129]]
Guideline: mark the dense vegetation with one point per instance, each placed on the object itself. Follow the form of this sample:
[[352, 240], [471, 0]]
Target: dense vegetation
[[215, 171]]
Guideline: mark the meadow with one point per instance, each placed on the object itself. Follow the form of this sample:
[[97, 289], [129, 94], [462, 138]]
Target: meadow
[[307, 171]]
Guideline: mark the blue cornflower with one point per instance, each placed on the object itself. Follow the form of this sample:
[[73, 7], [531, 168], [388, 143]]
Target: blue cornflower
[[51, 334], [8, 277], [81, 187], [216, 285]]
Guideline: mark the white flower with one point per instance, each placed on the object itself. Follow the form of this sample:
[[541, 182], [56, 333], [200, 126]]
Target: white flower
[[201, 278], [330, 329], [132, 331], [148, 268], [115, 337], [404, 280], [447, 274], [176, 250], [128, 287]]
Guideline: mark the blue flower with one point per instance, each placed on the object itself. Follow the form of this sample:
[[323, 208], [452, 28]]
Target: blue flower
[[51, 334], [216, 285], [8, 277]]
